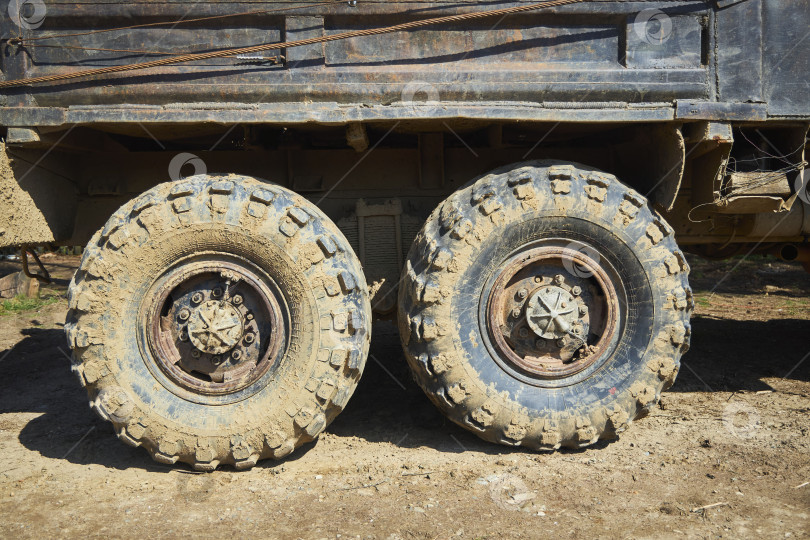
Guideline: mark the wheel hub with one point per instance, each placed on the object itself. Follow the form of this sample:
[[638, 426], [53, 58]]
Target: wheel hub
[[551, 311], [215, 327]]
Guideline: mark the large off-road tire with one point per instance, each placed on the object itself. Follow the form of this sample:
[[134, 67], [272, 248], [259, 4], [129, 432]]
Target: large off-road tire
[[219, 320], [546, 305]]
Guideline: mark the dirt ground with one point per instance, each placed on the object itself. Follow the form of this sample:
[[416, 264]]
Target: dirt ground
[[732, 436]]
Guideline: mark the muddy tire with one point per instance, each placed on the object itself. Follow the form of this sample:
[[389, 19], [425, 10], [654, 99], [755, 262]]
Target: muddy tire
[[218, 320], [546, 305]]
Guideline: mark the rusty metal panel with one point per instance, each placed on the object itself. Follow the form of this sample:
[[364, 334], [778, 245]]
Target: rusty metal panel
[[567, 54], [712, 110], [739, 52], [787, 57], [334, 113], [146, 43], [520, 67], [303, 27], [528, 42]]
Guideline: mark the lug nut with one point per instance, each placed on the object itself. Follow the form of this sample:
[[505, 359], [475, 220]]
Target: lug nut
[[523, 332], [249, 338], [236, 355], [184, 314], [523, 293], [540, 343], [197, 297], [576, 290], [538, 279], [249, 316], [183, 336], [237, 300], [583, 310], [217, 292], [561, 342], [216, 360], [195, 353], [516, 313], [558, 279]]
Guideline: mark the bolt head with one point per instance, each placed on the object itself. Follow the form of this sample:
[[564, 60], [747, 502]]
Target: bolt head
[[197, 297], [184, 314], [561, 342], [522, 293], [195, 353], [236, 355], [558, 279], [183, 336], [237, 300], [516, 313], [217, 292], [216, 360], [249, 316], [523, 332], [538, 279], [576, 290], [249, 338], [540, 343], [583, 310]]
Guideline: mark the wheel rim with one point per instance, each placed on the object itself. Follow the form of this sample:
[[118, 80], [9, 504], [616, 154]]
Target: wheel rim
[[215, 326], [552, 311]]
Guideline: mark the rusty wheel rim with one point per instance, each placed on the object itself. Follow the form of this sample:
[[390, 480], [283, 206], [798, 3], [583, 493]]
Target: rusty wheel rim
[[215, 326], [553, 311]]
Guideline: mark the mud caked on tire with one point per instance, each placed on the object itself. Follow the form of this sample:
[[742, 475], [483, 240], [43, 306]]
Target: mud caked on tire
[[219, 320], [546, 305]]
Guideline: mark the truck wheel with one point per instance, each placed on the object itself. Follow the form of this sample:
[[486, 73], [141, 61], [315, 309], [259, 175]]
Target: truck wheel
[[545, 305], [218, 320]]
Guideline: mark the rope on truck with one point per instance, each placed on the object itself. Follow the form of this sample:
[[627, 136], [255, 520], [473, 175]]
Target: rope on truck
[[182, 58]]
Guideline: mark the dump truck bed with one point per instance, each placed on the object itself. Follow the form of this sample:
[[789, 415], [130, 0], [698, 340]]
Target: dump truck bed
[[588, 61]]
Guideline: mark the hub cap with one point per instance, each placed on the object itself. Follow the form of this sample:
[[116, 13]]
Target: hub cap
[[215, 327], [551, 311]]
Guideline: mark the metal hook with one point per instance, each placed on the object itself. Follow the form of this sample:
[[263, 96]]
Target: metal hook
[[44, 276]]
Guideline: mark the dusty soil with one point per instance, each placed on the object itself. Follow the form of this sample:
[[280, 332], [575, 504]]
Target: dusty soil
[[733, 432]]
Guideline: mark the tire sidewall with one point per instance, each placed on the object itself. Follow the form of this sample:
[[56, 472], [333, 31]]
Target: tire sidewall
[[138, 370], [293, 244], [456, 254], [617, 367]]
